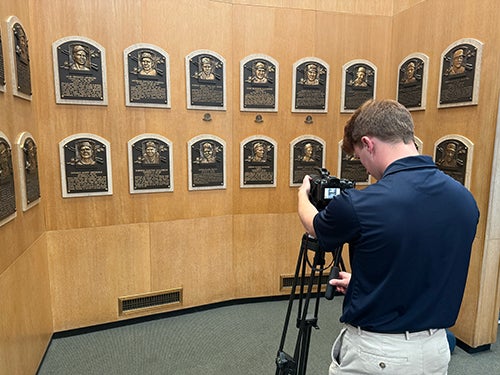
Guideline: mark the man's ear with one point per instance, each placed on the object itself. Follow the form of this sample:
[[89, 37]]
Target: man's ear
[[366, 142]]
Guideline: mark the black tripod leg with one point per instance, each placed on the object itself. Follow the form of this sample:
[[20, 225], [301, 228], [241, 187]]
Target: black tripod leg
[[285, 364], [297, 365]]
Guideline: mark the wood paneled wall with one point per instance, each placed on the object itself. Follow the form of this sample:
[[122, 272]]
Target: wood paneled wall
[[25, 309], [221, 244]]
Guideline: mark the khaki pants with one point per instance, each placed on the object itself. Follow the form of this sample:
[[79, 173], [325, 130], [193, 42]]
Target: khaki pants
[[360, 352]]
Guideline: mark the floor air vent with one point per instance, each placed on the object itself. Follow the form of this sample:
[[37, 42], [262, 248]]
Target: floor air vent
[[286, 281], [149, 301]]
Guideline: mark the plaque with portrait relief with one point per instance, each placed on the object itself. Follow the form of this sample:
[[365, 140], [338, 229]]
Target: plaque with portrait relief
[[258, 160], [207, 162], [147, 76], [28, 170], [359, 82], [206, 80], [20, 59], [460, 74], [453, 155], [350, 168], [7, 188], [307, 154], [79, 71], [2, 66], [412, 81], [150, 164], [259, 75], [85, 166], [310, 85]]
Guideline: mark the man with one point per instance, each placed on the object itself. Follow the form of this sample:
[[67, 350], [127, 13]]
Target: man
[[311, 75], [410, 237], [147, 64], [85, 153], [410, 73], [457, 66], [206, 72], [151, 154], [260, 75], [80, 58], [360, 80]]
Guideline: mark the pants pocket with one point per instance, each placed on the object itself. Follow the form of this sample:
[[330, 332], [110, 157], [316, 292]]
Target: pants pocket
[[337, 346]]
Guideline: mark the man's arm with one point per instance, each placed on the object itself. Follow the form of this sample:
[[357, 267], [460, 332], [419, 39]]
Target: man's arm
[[306, 209]]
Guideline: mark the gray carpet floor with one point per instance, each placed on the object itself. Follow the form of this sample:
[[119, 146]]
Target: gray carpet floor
[[240, 339]]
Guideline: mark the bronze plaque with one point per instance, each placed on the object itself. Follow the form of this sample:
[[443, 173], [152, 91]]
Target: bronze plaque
[[22, 60], [85, 169], [459, 75], [205, 81], [79, 69], [306, 157], [259, 84], [31, 177], [147, 76], [150, 165], [2, 66], [7, 189], [451, 157], [352, 169], [207, 164], [258, 163], [410, 83], [310, 86], [359, 85]]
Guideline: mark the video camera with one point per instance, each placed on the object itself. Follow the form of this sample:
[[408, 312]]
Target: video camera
[[324, 187]]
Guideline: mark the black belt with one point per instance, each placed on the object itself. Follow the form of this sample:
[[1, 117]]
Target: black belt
[[406, 334]]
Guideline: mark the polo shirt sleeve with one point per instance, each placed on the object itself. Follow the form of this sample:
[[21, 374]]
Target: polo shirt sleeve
[[337, 223]]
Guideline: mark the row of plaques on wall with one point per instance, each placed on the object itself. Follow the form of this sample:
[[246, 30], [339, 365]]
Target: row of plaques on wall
[[80, 77], [85, 162]]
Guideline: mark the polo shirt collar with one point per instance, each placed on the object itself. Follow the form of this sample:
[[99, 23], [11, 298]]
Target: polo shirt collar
[[408, 163]]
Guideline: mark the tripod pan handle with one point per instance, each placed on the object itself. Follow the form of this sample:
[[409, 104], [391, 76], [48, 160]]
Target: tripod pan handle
[[330, 289]]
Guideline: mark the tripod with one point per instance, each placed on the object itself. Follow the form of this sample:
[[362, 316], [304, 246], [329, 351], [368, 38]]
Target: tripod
[[297, 365]]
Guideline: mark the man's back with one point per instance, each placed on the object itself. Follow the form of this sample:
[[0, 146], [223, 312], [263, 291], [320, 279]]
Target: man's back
[[410, 249]]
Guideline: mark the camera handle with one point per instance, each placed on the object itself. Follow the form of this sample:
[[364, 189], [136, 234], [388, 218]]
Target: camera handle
[[297, 365]]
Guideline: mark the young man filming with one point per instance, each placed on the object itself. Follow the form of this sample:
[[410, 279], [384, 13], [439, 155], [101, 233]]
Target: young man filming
[[410, 236]]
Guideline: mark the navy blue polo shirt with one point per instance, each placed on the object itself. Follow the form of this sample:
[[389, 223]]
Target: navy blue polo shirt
[[410, 237]]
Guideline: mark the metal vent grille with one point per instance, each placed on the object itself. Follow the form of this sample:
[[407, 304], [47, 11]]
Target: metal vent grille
[[149, 301], [286, 281]]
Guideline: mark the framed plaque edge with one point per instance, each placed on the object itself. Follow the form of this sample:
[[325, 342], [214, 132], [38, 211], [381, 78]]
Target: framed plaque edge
[[62, 161], [477, 73], [190, 169], [57, 82], [11, 21], [344, 72], [20, 168], [131, 163], [294, 84], [188, 81], [242, 162], [134, 47]]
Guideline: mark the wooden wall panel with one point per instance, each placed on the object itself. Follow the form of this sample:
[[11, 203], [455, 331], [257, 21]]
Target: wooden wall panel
[[195, 255], [17, 116], [266, 246], [26, 323], [90, 268]]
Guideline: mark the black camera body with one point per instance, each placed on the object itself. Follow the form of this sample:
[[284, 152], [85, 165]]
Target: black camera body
[[324, 187]]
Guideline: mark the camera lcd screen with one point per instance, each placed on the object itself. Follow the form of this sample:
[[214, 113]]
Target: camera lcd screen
[[331, 192]]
